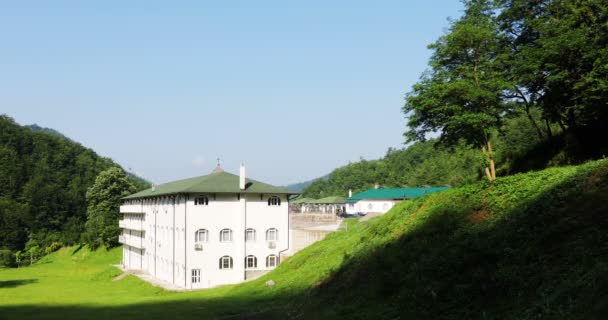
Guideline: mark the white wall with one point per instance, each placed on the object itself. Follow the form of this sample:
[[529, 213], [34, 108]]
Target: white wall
[[169, 238], [371, 206]]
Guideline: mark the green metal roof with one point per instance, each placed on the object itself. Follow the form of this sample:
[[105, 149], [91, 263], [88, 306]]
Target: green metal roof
[[394, 194], [330, 200], [302, 200], [216, 182], [327, 200]]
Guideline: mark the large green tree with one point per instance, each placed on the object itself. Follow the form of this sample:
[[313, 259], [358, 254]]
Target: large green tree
[[103, 200], [461, 96], [559, 60]]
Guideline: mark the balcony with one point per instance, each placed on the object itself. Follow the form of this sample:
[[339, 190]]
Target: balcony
[[131, 224], [132, 241], [132, 208]]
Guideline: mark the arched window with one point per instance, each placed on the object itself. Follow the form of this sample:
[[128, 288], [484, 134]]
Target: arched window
[[272, 261], [201, 201], [251, 262], [202, 235], [225, 263], [370, 207], [226, 235], [250, 234], [274, 201], [272, 234]]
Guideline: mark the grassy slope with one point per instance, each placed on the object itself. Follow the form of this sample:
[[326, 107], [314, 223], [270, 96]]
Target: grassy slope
[[530, 246]]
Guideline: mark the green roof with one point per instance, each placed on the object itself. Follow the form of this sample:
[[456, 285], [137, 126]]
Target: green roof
[[302, 200], [330, 200], [327, 200], [394, 194], [216, 182]]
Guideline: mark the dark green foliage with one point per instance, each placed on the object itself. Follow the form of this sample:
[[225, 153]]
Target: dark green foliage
[[43, 182], [460, 96], [546, 60], [423, 163], [7, 258], [559, 58], [103, 200]]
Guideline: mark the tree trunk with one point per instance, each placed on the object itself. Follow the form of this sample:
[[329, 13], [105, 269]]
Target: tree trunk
[[538, 130], [527, 110], [489, 154], [549, 132]]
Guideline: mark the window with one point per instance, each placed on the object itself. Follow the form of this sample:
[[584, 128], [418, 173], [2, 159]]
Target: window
[[272, 261], [370, 207], [201, 201], [250, 234], [272, 234], [225, 262], [226, 235], [274, 201], [251, 262], [196, 275], [201, 235]]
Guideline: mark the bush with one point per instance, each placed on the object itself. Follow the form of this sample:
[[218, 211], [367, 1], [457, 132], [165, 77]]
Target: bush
[[53, 247], [7, 259]]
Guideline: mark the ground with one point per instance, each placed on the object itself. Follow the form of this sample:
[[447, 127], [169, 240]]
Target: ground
[[529, 246]]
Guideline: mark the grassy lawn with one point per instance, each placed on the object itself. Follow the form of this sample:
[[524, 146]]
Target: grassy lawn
[[529, 246], [75, 283]]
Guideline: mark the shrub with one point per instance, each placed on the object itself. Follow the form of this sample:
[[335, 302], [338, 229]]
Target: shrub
[[7, 259]]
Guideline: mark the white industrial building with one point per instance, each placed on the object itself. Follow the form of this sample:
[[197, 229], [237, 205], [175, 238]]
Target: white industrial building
[[206, 231], [380, 200]]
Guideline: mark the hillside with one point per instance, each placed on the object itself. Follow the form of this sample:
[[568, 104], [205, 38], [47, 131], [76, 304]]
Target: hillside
[[53, 132], [43, 181], [301, 186], [423, 163], [529, 246]]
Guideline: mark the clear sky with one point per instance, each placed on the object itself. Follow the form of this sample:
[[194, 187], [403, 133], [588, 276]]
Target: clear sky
[[292, 88]]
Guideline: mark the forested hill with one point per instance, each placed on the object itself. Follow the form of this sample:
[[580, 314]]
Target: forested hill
[[43, 182], [418, 165], [35, 127]]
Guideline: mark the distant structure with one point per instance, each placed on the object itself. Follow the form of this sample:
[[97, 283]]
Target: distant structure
[[380, 200], [328, 205], [206, 231]]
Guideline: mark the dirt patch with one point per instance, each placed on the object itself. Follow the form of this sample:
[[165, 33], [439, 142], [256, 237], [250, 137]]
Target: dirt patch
[[479, 216], [595, 179]]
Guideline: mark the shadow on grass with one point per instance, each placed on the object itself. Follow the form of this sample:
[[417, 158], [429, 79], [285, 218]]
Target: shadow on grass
[[546, 258], [16, 283], [224, 308]]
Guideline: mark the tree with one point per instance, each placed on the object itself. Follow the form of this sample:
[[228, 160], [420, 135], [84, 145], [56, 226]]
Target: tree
[[559, 60], [103, 203], [461, 96]]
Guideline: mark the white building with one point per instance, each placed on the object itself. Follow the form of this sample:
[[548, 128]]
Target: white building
[[381, 200], [206, 231]]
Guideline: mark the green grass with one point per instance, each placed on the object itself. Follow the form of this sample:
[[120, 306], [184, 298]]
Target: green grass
[[530, 246]]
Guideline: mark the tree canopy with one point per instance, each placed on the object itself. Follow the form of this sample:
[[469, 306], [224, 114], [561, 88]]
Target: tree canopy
[[507, 57], [103, 204], [43, 183]]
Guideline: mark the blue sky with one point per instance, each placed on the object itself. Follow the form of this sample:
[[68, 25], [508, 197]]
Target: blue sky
[[292, 88]]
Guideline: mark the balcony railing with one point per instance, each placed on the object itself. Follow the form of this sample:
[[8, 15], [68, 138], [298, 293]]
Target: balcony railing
[[131, 208], [131, 224], [131, 241]]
